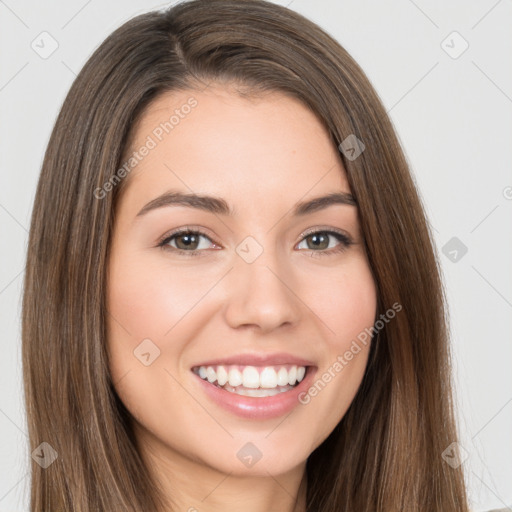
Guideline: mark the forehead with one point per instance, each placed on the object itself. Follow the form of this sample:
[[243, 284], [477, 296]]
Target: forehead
[[265, 148]]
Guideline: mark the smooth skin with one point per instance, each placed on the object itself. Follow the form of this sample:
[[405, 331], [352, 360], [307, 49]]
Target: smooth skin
[[303, 295]]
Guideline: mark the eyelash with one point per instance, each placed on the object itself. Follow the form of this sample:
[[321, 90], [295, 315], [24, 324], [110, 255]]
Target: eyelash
[[341, 237]]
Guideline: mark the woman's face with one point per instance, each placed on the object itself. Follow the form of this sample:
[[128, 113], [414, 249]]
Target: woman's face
[[267, 290]]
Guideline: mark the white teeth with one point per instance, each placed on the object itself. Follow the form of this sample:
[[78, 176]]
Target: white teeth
[[260, 393], [282, 377], [268, 378], [210, 374], [292, 375], [252, 377], [235, 377], [222, 375]]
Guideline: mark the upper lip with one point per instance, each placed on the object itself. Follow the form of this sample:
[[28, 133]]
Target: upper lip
[[258, 360]]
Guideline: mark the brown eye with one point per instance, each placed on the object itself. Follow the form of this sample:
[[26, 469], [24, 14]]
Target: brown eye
[[319, 241], [186, 241]]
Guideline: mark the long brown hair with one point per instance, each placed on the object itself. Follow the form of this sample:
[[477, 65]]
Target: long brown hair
[[386, 453]]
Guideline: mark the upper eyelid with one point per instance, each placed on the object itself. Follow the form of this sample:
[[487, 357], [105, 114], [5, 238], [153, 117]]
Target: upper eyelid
[[336, 231], [181, 231]]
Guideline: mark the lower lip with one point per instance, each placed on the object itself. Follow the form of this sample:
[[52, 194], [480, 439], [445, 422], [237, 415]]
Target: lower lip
[[258, 408]]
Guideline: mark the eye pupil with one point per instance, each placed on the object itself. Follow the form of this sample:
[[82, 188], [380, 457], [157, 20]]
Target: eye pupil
[[189, 239], [316, 238]]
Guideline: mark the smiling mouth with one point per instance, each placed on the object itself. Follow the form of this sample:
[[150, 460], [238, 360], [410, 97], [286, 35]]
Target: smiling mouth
[[253, 381]]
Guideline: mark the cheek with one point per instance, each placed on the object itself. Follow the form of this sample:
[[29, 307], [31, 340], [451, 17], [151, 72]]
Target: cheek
[[148, 297], [144, 302], [346, 301], [346, 305]]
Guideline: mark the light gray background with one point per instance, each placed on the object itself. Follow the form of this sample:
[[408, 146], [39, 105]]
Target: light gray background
[[453, 116]]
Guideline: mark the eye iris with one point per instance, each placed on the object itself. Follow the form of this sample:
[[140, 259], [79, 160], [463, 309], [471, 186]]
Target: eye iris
[[316, 238], [189, 238]]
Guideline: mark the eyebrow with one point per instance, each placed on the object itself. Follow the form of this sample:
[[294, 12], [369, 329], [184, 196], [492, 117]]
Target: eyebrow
[[220, 206]]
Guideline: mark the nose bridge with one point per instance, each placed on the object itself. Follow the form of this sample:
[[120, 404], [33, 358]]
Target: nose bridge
[[261, 288]]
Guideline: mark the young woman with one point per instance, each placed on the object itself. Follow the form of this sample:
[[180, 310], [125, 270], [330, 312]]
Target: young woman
[[232, 301]]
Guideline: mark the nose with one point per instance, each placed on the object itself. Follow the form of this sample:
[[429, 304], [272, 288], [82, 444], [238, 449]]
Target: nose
[[262, 294]]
